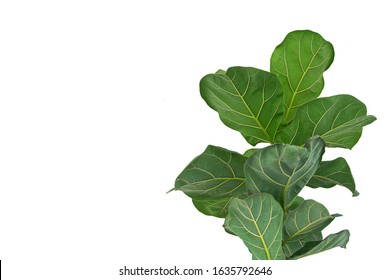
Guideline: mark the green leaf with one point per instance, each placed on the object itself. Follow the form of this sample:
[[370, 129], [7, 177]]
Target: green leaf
[[215, 174], [337, 119], [331, 173], [334, 240], [308, 218], [257, 220], [296, 202], [217, 208], [299, 62], [247, 99], [293, 246], [249, 152], [283, 170]]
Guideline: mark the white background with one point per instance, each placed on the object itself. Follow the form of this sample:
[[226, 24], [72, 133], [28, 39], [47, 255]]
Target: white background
[[100, 111]]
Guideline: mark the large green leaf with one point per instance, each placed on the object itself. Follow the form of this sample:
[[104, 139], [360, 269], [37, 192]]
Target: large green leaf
[[334, 240], [247, 99], [308, 218], [293, 246], [283, 170], [257, 220], [331, 173], [215, 174], [337, 119], [299, 62]]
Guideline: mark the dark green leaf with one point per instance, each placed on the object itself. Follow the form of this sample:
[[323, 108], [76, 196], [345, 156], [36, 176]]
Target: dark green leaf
[[299, 62], [283, 170], [296, 202], [337, 119], [334, 240], [331, 173], [293, 246], [215, 174], [307, 219], [257, 220], [247, 99], [217, 208]]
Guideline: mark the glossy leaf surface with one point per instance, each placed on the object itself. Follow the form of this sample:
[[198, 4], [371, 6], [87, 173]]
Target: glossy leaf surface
[[257, 220], [337, 119], [247, 99], [299, 62]]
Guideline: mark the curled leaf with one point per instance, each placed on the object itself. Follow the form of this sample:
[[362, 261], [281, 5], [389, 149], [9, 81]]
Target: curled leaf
[[283, 170]]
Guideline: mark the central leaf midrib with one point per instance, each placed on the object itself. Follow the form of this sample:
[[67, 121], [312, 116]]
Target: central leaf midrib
[[250, 111], [314, 223], [345, 124], [295, 91], [319, 177], [213, 179], [260, 233]]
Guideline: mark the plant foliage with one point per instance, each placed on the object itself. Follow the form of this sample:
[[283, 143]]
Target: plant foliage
[[257, 192]]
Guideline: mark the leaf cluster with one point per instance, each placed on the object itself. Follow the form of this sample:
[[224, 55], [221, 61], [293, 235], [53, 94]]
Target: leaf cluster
[[257, 192]]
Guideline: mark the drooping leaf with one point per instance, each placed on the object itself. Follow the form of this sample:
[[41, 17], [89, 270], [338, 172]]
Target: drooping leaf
[[331, 173], [307, 219], [293, 246], [257, 220], [283, 170], [215, 174], [247, 99], [299, 62], [337, 119], [334, 240]]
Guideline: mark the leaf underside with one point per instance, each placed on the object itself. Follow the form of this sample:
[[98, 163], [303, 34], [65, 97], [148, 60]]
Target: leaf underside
[[332, 173], [334, 240], [293, 246]]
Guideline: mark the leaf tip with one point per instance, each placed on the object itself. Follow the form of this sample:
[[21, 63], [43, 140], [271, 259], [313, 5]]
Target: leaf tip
[[221, 72], [171, 190]]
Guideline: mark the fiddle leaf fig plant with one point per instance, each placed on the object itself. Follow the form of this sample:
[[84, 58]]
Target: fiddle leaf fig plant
[[257, 192]]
